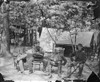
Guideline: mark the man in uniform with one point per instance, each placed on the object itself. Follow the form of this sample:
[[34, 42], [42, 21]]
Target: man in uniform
[[57, 60], [25, 60], [30, 56], [39, 53], [79, 57]]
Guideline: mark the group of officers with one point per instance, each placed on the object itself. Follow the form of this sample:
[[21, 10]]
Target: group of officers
[[28, 57]]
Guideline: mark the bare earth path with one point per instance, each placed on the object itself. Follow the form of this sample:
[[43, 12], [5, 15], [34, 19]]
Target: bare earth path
[[11, 73]]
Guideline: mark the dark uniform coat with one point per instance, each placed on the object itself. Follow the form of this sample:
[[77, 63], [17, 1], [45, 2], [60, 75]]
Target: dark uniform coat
[[80, 56]]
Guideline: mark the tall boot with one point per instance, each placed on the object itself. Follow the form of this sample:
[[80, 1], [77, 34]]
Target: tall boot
[[80, 70]]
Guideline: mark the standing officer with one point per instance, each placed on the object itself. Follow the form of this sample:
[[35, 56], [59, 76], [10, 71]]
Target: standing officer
[[79, 57]]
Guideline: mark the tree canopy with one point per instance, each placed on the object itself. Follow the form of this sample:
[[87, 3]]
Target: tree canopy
[[57, 14], [51, 13]]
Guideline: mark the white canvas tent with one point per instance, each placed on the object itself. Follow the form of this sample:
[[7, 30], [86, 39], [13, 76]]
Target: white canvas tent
[[81, 37]]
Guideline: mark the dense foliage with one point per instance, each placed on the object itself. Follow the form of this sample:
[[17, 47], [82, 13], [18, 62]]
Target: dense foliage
[[66, 15]]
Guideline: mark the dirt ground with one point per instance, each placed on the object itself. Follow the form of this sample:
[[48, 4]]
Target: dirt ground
[[10, 73]]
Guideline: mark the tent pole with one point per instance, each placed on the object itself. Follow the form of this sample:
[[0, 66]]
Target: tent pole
[[75, 37], [72, 42]]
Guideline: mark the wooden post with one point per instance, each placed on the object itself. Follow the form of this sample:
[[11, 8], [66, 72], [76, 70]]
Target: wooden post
[[75, 37], [73, 50]]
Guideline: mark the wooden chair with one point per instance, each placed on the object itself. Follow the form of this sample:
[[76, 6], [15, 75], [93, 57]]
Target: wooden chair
[[59, 55], [58, 65], [38, 60]]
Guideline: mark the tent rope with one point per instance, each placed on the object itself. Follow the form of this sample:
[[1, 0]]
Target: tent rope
[[51, 36]]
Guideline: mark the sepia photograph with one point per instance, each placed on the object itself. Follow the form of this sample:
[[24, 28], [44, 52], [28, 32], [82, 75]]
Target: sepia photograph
[[49, 40]]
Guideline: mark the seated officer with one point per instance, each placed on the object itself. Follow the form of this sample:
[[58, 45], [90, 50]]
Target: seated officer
[[35, 53], [25, 59], [79, 57], [57, 60], [39, 54]]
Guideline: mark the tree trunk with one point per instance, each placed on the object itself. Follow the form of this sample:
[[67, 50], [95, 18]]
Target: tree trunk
[[5, 47]]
